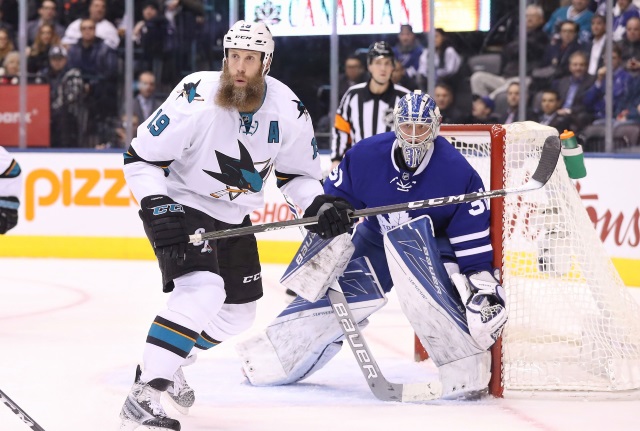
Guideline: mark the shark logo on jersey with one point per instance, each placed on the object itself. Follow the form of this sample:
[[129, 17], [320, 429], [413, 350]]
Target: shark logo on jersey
[[189, 92], [302, 110], [404, 184], [393, 220], [239, 175]]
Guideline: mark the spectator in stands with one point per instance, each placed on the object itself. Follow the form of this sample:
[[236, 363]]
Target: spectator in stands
[[6, 45], [488, 84], [577, 12], [595, 48], [630, 46], [71, 10], [572, 90], [146, 102], [623, 11], [105, 30], [186, 17], [98, 64], [38, 53], [68, 113], [47, 15], [153, 35], [4, 25], [444, 98], [594, 97], [10, 70], [408, 50], [556, 57], [482, 111], [549, 115], [399, 76], [354, 73], [513, 102], [447, 61]]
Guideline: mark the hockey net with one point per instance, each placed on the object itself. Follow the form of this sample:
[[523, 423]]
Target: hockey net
[[573, 326]]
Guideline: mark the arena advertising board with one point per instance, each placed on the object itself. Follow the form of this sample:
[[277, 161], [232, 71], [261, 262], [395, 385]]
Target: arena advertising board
[[312, 17], [78, 205]]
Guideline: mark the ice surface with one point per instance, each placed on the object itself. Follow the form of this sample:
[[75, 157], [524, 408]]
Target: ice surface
[[72, 331]]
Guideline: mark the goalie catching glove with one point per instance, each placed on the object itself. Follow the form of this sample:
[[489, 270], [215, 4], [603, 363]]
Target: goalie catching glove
[[166, 220], [486, 313], [333, 216]]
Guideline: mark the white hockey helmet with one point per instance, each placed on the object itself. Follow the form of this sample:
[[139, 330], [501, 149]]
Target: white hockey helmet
[[253, 36], [416, 121]]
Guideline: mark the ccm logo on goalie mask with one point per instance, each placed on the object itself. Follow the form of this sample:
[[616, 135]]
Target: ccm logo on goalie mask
[[352, 337]]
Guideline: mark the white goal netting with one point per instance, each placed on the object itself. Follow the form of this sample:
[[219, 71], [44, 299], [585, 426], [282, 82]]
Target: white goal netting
[[573, 326]]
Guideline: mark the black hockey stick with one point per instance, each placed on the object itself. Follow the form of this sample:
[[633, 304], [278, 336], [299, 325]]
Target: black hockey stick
[[19, 412], [379, 385], [544, 170]]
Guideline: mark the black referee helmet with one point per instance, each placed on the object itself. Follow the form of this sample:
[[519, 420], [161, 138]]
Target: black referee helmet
[[379, 49]]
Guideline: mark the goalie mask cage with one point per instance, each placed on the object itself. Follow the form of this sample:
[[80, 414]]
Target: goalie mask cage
[[573, 327]]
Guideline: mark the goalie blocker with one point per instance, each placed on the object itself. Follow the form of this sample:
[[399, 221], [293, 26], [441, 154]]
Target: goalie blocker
[[305, 336]]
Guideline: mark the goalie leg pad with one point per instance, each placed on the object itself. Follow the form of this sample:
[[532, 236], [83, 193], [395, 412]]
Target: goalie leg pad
[[316, 264], [305, 336], [434, 308]]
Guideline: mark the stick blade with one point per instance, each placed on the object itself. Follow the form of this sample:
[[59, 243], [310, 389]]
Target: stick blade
[[548, 159]]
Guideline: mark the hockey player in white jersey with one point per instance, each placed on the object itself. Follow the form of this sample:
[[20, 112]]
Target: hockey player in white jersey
[[10, 189], [199, 163], [439, 259]]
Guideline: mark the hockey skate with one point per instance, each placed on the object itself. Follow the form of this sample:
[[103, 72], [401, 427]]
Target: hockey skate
[[142, 407], [180, 394]]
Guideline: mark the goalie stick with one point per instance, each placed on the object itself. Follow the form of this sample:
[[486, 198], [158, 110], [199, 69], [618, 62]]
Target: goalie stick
[[379, 385], [19, 412], [547, 164]]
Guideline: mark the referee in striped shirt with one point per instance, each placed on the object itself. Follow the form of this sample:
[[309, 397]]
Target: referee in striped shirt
[[366, 109]]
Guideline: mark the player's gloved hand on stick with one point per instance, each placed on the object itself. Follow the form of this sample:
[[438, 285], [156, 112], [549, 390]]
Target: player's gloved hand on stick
[[333, 216], [8, 213], [166, 219]]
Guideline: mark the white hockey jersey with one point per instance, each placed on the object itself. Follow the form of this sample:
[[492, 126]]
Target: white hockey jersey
[[217, 160], [10, 178]]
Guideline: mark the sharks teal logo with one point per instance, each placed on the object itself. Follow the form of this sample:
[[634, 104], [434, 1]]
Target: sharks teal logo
[[239, 175], [302, 110], [189, 92]]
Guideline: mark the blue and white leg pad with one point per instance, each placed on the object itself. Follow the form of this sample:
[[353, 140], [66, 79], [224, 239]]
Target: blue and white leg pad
[[306, 335], [432, 305], [316, 264]]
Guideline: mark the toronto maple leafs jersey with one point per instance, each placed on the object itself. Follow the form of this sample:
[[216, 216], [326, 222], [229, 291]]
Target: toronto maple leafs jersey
[[368, 177], [10, 178], [217, 160]]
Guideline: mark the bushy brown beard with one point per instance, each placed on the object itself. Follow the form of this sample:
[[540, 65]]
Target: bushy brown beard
[[244, 99]]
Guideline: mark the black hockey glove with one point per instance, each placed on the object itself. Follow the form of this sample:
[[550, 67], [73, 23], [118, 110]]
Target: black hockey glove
[[333, 216], [166, 219], [8, 213]]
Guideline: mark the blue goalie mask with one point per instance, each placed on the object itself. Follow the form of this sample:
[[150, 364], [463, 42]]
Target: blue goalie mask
[[416, 121]]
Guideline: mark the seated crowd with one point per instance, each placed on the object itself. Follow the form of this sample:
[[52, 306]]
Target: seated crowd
[[76, 46]]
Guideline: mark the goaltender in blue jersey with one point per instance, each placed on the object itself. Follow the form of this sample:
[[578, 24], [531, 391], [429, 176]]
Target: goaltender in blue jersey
[[439, 261]]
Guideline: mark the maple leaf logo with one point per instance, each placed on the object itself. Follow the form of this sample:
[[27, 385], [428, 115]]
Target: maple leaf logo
[[267, 13], [390, 221]]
